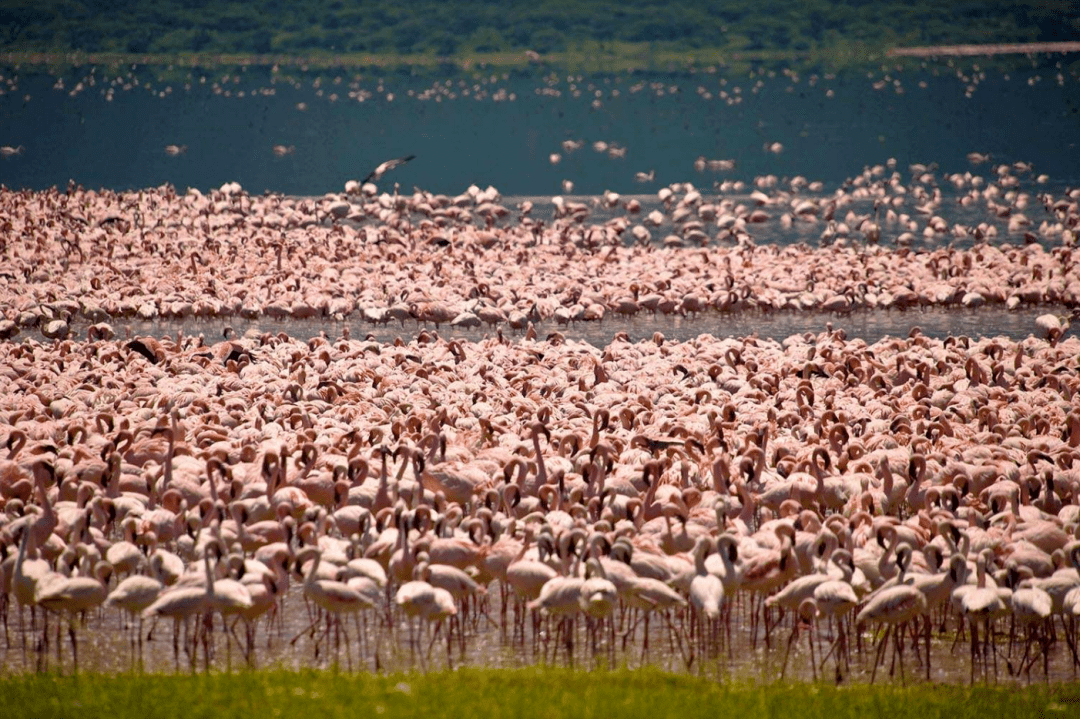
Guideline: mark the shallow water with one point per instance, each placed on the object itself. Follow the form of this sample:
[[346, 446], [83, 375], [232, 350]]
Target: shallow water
[[868, 325], [107, 644]]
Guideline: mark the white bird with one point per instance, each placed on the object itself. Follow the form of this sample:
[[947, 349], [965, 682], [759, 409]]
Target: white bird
[[835, 598], [124, 556], [894, 606], [721, 563], [184, 602], [1053, 325], [418, 598], [794, 592], [527, 577], [422, 601], [134, 594], [936, 588], [1071, 602], [559, 596], [363, 567], [168, 566], [454, 580], [230, 597], [648, 595], [376, 174], [330, 595], [263, 593], [1030, 605], [26, 575], [706, 590], [598, 594], [983, 601], [74, 595]]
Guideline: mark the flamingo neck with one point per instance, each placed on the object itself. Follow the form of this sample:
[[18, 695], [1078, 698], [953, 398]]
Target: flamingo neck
[[312, 573], [541, 468]]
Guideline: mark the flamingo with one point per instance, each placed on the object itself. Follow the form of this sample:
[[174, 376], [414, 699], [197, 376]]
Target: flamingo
[[134, 595], [384, 167], [647, 596], [984, 602], [182, 603], [1031, 608], [26, 575], [74, 595], [422, 601], [527, 577], [833, 600], [331, 596], [125, 557], [894, 607], [706, 590]]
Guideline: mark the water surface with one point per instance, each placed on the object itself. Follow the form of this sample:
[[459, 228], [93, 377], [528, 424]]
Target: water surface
[[501, 129]]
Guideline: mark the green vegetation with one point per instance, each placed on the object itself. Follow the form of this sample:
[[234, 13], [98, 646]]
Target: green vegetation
[[491, 692], [498, 32]]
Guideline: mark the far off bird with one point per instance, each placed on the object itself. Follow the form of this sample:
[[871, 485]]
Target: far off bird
[[385, 167]]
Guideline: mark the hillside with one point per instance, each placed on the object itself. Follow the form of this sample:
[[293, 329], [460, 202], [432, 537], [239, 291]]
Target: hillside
[[441, 28]]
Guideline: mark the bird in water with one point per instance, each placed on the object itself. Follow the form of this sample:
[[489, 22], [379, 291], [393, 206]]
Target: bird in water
[[385, 167]]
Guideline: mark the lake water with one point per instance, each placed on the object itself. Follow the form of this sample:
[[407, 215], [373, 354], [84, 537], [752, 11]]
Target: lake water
[[495, 128]]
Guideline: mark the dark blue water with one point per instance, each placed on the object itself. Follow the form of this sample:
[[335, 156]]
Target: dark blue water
[[490, 128]]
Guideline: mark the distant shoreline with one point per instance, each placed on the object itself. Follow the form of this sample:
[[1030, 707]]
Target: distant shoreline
[[1015, 48], [591, 59]]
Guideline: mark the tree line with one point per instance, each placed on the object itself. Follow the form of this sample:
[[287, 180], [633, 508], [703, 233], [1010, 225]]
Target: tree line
[[447, 28]]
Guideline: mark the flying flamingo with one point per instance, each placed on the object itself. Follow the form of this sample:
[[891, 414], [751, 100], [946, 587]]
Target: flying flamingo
[[376, 174]]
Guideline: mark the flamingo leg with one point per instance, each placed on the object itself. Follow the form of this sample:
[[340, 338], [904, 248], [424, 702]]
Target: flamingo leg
[[879, 654], [74, 645]]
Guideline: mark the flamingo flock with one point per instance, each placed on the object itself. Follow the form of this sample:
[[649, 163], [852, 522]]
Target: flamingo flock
[[824, 505], [79, 258], [913, 495]]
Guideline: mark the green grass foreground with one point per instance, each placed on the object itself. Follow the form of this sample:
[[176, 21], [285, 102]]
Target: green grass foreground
[[517, 693]]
